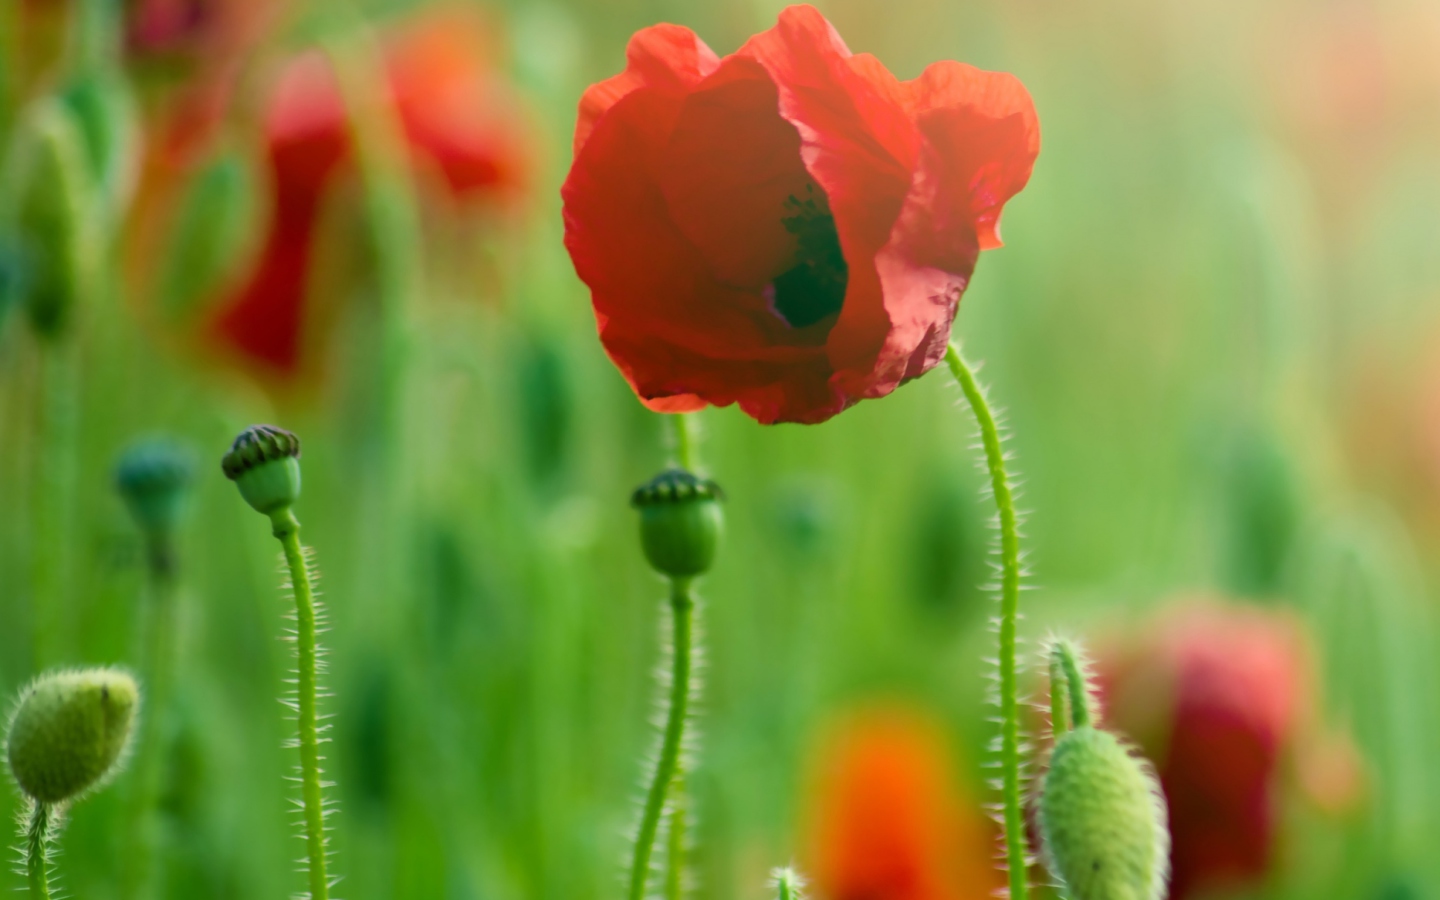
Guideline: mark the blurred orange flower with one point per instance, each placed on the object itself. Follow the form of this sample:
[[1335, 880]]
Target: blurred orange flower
[[888, 820], [457, 117]]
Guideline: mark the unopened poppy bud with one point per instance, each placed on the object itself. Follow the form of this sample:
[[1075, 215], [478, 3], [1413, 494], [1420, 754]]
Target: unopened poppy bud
[[1102, 817], [680, 522], [153, 476], [70, 731], [264, 462], [52, 197]]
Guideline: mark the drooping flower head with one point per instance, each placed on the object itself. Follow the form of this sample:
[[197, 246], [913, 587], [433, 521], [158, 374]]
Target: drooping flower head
[[456, 116], [788, 228], [889, 820]]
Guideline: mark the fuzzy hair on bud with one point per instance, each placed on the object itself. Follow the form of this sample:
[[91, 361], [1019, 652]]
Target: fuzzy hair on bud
[[70, 731], [1101, 813]]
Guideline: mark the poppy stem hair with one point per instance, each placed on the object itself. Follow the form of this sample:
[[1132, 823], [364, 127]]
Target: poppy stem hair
[[287, 529], [264, 463], [682, 608], [37, 850], [1014, 821]]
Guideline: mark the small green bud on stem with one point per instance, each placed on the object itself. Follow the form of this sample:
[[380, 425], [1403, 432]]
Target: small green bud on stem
[[680, 522], [264, 462], [153, 476], [69, 732], [1102, 817]]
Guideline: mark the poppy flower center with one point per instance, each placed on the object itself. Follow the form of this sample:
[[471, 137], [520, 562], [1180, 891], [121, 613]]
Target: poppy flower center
[[814, 288]]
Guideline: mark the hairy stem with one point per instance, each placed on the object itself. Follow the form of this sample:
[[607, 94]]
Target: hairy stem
[[37, 851], [287, 529], [682, 606], [675, 840], [1015, 850]]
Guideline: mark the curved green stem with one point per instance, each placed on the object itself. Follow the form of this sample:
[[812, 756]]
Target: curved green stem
[[287, 529], [682, 607], [37, 853], [1015, 850]]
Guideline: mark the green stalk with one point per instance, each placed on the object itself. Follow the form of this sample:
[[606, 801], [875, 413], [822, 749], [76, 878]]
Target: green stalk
[[159, 661], [287, 529], [675, 840], [682, 606], [685, 440], [55, 483], [37, 852], [1014, 821]]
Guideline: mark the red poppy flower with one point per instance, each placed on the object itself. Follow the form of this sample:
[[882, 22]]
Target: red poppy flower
[[789, 228], [455, 115], [1217, 696], [888, 820]]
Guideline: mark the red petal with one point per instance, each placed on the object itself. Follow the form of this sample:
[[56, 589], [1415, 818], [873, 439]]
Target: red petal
[[857, 143], [667, 58]]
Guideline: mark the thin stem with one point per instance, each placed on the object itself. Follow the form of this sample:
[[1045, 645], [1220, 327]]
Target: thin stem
[[682, 607], [685, 440], [37, 851], [55, 482], [1015, 850], [158, 656], [675, 840], [287, 529]]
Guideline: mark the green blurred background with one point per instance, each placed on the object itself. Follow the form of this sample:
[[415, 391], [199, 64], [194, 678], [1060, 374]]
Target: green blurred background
[[1215, 331]]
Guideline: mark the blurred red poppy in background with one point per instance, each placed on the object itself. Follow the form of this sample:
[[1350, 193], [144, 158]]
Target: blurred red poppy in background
[[789, 228], [458, 118], [1220, 697], [888, 819]]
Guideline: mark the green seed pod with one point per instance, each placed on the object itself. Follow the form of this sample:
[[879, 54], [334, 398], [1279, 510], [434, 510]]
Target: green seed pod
[[69, 732], [50, 186], [264, 462], [153, 476], [680, 522], [1102, 820]]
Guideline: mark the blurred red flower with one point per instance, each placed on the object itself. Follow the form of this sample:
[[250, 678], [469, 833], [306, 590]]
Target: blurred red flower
[[457, 117], [888, 820], [789, 228], [1218, 696]]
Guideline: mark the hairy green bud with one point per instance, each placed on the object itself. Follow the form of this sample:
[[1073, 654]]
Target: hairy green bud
[[680, 522], [70, 731], [1102, 816], [153, 477], [264, 462]]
